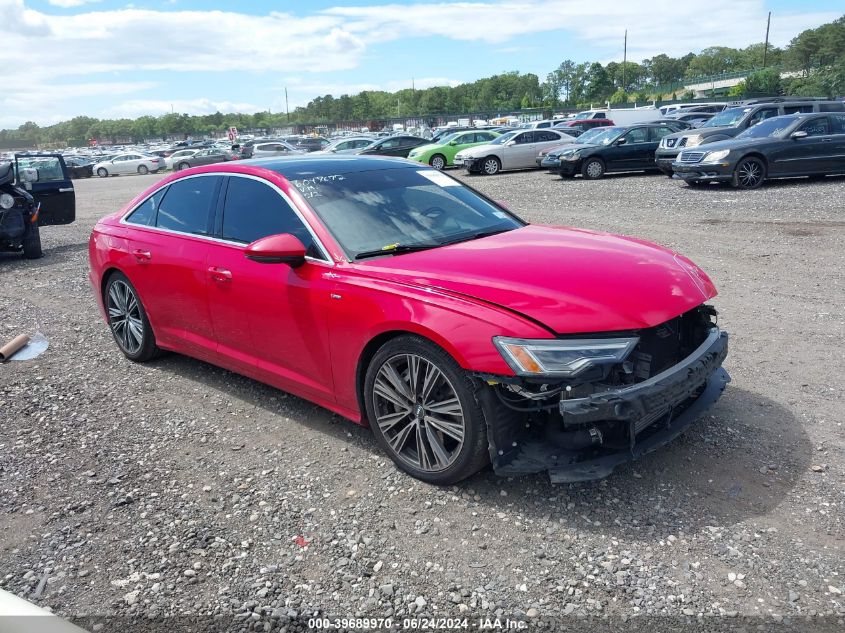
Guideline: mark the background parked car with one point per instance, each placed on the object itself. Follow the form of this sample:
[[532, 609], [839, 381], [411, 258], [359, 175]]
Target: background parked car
[[204, 157], [442, 153], [129, 164], [393, 146], [347, 145], [311, 143], [514, 150], [78, 167], [783, 146], [582, 124], [694, 118], [175, 156], [730, 122], [271, 148], [616, 149]]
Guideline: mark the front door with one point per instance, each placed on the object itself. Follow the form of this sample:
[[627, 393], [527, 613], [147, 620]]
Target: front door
[[808, 155], [53, 188], [632, 153], [269, 317]]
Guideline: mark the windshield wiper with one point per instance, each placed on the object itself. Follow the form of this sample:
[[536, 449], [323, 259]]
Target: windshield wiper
[[476, 236], [395, 249]]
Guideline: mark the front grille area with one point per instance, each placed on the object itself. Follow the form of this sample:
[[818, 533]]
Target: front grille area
[[682, 142], [691, 157]]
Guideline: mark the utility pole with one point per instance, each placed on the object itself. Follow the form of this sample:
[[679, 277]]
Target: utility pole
[[624, 59], [287, 109], [766, 45]]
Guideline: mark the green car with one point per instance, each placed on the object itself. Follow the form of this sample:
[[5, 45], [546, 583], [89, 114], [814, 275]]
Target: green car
[[442, 154]]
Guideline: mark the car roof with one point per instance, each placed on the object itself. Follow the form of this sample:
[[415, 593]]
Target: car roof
[[309, 166]]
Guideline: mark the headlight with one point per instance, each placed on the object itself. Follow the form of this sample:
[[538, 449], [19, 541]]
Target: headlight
[[572, 156], [564, 358], [713, 157], [413, 153], [694, 140], [6, 201]]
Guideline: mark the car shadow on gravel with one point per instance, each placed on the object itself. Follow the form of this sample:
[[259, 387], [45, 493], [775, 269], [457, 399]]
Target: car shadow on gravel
[[740, 461], [52, 255]]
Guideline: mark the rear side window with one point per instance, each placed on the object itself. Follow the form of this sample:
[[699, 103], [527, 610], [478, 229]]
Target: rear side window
[[186, 205], [145, 213], [832, 107], [254, 210], [797, 109]]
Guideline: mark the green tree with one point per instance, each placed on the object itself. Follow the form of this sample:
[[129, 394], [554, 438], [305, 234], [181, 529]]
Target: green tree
[[764, 82]]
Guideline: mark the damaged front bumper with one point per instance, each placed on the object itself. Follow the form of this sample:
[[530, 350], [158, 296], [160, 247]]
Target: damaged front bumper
[[648, 414]]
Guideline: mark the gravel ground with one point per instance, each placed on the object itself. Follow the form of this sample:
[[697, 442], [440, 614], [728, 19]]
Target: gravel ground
[[179, 489]]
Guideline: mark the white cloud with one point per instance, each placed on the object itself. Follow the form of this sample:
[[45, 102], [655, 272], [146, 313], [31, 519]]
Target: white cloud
[[139, 107], [68, 4]]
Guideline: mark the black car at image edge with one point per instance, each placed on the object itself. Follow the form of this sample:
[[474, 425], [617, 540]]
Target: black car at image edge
[[780, 147]]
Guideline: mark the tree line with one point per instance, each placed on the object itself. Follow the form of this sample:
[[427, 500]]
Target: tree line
[[815, 60]]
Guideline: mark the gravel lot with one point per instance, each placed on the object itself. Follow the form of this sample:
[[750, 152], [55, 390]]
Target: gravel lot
[[176, 488]]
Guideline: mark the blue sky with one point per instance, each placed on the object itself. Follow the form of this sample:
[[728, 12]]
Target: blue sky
[[108, 59]]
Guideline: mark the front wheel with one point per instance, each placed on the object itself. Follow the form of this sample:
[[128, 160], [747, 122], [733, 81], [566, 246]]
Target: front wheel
[[749, 173], [32, 242], [421, 408], [438, 161], [491, 166], [143, 170], [102, 173], [128, 320], [593, 169]]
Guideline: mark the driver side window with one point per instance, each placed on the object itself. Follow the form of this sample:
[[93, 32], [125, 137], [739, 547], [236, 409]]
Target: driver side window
[[637, 135], [253, 210], [816, 127]]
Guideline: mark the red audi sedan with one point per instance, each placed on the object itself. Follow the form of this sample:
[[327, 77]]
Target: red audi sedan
[[398, 297]]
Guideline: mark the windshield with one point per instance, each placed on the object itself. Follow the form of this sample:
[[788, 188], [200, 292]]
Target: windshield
[[583, 115], [727, 117], [381, 209], [504, 138], [449, 137], [773, 127], [603, 136], [590, 135]]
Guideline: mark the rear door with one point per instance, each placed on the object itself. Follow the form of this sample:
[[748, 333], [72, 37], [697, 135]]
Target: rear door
[[53, 188], [632, 154], [168, 251], [521, 154]]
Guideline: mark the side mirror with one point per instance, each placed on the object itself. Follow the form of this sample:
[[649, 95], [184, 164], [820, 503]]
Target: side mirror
[[509, 143], [283, 248], [453, 142], [621, 141], [799, 134]]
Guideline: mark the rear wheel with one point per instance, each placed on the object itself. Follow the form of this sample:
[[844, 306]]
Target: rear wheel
[[183, 166], [32, 242], [491, 166], [128, 320], [438, 161], [593, 169], [749, 173], [142, 169], [102, 173], [421, 408]]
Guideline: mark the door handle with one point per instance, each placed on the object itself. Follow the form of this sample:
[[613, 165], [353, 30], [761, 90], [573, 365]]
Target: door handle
[[142, 256], [220, 274]]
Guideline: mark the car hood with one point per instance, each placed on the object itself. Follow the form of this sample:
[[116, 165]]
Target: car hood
[[704, 131], [571, 147], [732, 143], [480, 150], [570, 280]]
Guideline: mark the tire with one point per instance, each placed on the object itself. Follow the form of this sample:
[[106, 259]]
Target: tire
[[128, 320], [102, 173], [32, 242], [749, 173], [447, 456], [491, 166], [593, 169], [184, 166], [438, 161], [143, 170]]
